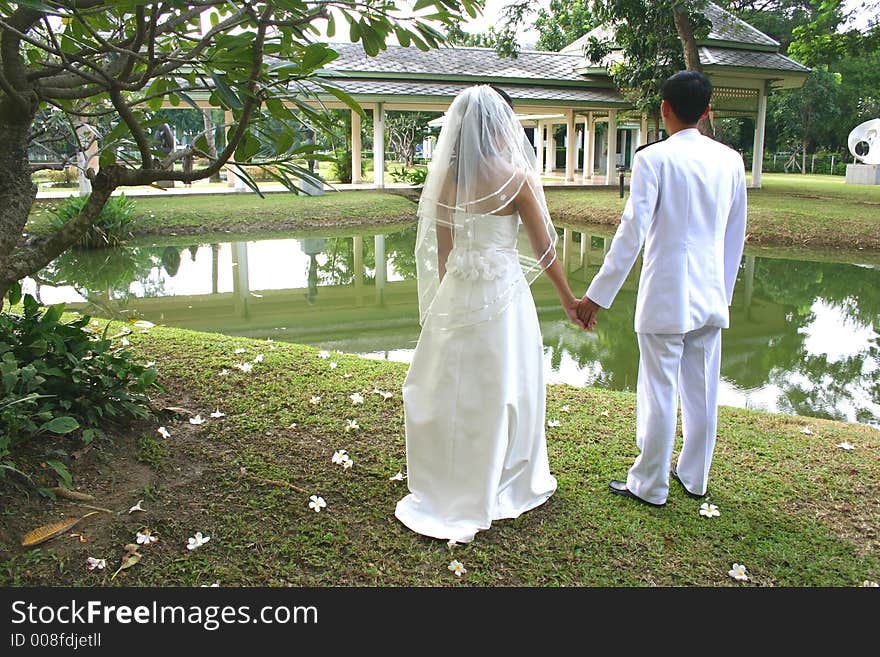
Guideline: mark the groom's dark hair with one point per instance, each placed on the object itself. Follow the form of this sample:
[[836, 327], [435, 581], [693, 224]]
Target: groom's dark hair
[[688, 92]]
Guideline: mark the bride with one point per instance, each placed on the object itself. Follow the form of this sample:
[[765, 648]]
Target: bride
[[474, 394]]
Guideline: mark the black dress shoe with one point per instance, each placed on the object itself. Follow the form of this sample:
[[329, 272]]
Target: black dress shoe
[[687, 492], [619, 488]]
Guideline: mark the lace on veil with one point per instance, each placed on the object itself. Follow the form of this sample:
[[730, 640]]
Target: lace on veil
[[482, 162]]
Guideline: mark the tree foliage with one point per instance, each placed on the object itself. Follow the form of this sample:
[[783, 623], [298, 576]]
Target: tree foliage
[[110, 64], [564, 23]]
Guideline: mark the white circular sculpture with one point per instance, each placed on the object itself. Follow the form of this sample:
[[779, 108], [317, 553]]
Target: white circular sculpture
[[864, 142]]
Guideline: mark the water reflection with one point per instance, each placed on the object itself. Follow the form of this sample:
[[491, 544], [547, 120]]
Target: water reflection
[[803, 336]]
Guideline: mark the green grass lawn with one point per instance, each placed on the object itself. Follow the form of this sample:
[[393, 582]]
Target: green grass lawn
[[795, 509], [813, 211]]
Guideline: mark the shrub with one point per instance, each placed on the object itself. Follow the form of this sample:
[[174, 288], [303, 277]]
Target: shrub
[[111, 227], [410, 175], [63, 378], [340, 166]]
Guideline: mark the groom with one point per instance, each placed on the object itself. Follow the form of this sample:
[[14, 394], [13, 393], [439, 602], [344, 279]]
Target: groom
[[687, 206]]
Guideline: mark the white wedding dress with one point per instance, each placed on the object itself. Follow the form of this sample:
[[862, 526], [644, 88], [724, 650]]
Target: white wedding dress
[[474, 396]]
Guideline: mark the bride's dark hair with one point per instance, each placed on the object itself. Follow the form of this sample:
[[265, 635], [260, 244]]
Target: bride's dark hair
[[503, 94]]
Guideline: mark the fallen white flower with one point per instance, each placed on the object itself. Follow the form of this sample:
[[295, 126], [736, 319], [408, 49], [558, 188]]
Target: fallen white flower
[[197, 541], [565, 409], [92, 563], [164, 432], [346, 376], [150, 364], [709, 510], [218, 414], [352, 425], [457, 567], [738, 572], [258, 358], [323, 354], [240, 350], [211, 586], [871, 584], [347, 463], [807, 431], [398, 477], [356, 398], [848, 446], [333, 365], [145, 537], [339, 456], [317, 503], [124, 342], [245, 367], [144, 324], [198, 419], [316, 399], [137, 507], [554, 423], [223, 372]]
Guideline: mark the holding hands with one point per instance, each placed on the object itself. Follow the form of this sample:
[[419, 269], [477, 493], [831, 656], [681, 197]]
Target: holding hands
[[582, 312]]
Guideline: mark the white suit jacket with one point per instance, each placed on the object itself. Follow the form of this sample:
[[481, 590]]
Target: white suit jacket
[[687, 205]]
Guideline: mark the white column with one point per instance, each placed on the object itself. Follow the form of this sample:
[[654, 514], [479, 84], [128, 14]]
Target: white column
[[357, 248], [356, 148], [570, 146], [758, 147], [566, 249], [539, 144], [643, 130], [379, 145], [86, 156], [611, 162], [550, 155], [381, 266], [589, 146]]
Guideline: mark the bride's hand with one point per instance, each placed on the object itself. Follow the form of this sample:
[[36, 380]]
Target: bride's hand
[[571, 309]]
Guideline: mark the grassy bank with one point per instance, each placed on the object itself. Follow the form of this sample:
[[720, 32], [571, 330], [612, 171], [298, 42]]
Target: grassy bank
[[795, 509]]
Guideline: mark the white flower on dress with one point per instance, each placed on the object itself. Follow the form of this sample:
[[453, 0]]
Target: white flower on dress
[[709, 510], [848, 446], [315, 399], [218, 414], [163, 432], [554, 423], [352, 425], [317, 503], [145, 537], [738, 572], [323, 354], [197, 420], [197, 541], [137, 507], [457, 567], [474, 265], [92, 563], [356, 398]]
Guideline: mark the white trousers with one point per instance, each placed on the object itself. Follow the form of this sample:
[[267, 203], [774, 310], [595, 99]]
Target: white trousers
[[672, 365]]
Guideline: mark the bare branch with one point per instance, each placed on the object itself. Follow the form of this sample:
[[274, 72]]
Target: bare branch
[[134, 126]]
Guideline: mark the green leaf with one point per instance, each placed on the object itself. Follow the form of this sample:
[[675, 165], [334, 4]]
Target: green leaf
[[62, 472], [107, 158], [403, 37], [344, 97], [354, 31], [61, 425], [227, 95], [424, 4], [331, 26], [14, 293]]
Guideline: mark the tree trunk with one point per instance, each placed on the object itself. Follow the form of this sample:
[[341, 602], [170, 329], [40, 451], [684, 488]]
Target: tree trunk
[[17, 190], [209, 137], [804, 159], [686, 35]]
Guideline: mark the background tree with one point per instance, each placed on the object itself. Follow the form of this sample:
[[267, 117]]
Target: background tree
[[564, 23], [405, 131], [100, 59]]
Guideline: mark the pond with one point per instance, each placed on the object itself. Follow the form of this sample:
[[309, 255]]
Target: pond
[[803, 337]]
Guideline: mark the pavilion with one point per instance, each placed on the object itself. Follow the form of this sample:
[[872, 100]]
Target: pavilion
[[550, 88]]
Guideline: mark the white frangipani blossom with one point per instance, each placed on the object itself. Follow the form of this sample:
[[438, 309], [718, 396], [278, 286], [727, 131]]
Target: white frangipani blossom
[[848, 446], [258, 358], [554, 423], [352, 425], [137, 507], [565, 409], [333, 365], [197, 541], [356, 398], [146, 537], [807, 431], [240, 350], [738, 572], [397, 477], [323, 354], [339, 456], [457, 567], [124, 342], [163, 432], [218, 414], [315, 399], [223, 372], [709, 510], [92, 563], [870, 584], [247, 368], [197, 420], [316, 502]]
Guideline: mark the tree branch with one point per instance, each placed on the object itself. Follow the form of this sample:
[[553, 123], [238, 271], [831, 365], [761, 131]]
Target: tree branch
[[134, 127]]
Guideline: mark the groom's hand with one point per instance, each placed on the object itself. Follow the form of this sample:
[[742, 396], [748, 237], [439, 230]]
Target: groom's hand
[[571, 310], [587, 312]]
